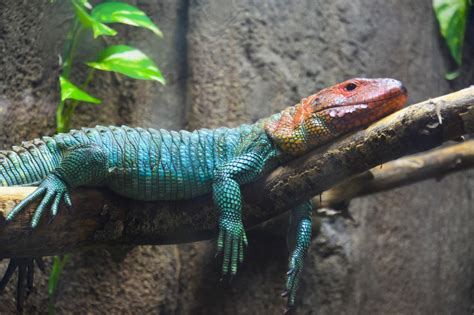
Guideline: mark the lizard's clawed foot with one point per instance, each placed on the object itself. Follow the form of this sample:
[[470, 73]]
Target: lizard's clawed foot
[[232, 241], [294, 275], [53, 190], [26, 271]]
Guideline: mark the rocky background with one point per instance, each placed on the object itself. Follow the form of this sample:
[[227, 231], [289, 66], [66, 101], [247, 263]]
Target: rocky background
[[409, 251]]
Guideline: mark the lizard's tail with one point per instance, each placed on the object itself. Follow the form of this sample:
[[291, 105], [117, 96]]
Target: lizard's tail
[[29, 163]]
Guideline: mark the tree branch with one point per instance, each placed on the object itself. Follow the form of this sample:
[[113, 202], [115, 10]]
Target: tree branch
[[102, 218], [433, 164]]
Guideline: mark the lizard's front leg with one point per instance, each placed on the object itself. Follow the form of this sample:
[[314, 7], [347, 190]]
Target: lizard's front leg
[[227, 198], [299, 239], [81, 165]]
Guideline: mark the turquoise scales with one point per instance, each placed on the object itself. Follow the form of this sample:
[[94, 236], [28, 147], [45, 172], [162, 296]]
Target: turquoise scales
[[144, 164], [168, 165], [152, 165]]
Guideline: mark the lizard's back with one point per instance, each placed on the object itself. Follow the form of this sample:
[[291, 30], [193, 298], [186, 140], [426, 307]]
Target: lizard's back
[[149, 164], [144, 164]]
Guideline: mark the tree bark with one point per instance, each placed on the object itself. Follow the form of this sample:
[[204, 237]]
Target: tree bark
[[436, 164]]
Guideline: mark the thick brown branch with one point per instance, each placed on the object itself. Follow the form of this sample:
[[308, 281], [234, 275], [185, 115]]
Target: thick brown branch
[[101, 218], [433, 164]]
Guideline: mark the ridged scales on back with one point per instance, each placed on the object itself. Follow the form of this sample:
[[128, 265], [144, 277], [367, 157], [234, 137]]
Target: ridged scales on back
[[145, 164], [148, 164], [29, 163]]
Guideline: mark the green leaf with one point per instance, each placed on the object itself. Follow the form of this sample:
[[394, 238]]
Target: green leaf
[[70, 91], [452, 16], [118, 12], [54, 276], [128, 61], [89, 22], [452, 75], [59, 263]]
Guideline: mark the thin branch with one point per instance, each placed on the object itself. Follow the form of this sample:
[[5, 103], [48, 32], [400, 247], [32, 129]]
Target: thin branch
[[102, 218], [433, 164]]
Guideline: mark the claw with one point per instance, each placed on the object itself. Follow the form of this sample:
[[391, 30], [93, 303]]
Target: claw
[[51, 220], [285, 293], [227, 253], [51, 191], [67, 200], [39, 211], [231, 244], [55, 206], [241, 252], [220, 243], [235, 254], [25, 202]]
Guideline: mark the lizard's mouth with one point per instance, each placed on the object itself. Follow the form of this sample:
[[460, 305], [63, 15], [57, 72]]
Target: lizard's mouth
[[395, 100]]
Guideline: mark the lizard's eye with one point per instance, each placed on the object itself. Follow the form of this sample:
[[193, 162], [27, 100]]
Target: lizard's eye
[[315, 101], [350, 86]]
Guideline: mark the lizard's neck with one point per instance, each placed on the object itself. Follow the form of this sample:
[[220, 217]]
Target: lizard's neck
[[295, 130]]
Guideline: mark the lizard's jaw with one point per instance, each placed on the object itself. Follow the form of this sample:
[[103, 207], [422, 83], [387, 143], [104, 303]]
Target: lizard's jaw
[[345, 118]]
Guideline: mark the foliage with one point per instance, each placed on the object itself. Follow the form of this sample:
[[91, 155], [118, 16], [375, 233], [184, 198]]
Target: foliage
[[452, 18], [128, 61], [124, 13], [58, 265], [70, 91], [122, 59]]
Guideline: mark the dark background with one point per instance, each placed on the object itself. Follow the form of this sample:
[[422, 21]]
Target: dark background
[[409, 251]]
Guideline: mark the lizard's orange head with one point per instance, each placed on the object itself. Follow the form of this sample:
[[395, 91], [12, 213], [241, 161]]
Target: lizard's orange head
[[357, 102], [333, 111]]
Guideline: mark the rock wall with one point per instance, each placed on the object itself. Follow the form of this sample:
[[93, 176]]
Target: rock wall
[[409, 251]]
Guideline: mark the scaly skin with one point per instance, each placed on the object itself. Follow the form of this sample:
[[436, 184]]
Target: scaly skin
[[168, 165]]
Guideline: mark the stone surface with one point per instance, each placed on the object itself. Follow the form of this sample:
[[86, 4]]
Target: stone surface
[[229, 62]]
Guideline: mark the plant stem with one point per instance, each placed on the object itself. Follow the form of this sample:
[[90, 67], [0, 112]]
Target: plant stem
[[60, 121], [71, 106], [58, 266], [70, 46]]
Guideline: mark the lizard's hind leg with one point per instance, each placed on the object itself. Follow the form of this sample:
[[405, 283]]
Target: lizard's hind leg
[[25, 267], [299, 239], [83, 164]]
